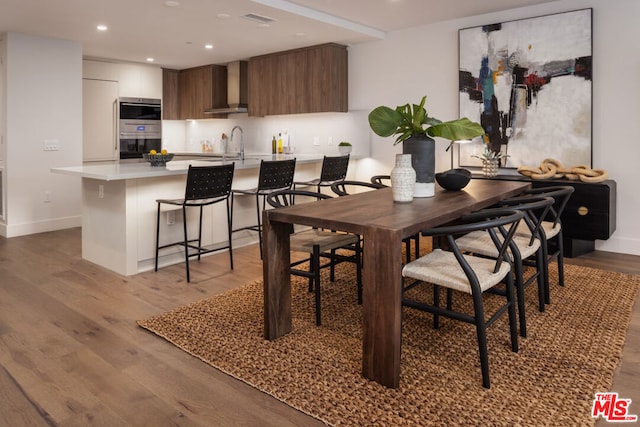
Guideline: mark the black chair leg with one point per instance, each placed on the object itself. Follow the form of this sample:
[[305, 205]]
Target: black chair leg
[[436, 303], [358, 255], [512, 315], [560, 259], [315, 265], [259, 227], [200, 234], [518, 273], [186, 242], [157, 236], [481, 332], [229, 232]]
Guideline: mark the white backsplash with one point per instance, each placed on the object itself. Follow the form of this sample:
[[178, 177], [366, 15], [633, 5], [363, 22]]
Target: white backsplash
[[303, 130]]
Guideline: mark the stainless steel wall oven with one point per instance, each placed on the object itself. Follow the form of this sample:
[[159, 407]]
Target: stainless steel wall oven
[[140, 126]]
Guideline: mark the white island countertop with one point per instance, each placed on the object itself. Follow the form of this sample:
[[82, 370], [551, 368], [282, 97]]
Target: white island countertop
[[123, 171]]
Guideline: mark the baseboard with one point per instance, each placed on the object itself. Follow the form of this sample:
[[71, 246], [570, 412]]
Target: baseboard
[[619, 245], [15, 230]]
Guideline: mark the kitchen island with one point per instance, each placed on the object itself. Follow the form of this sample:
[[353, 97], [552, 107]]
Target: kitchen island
[[119, 209]]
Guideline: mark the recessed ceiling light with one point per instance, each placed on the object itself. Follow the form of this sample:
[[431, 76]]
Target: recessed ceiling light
[[208, 46], [150, 59], [301, 34], [171, 3], [263, 25], [223, 15], [102, 27]]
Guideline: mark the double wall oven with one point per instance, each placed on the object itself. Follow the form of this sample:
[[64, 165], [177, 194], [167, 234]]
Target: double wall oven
[[140, 126]]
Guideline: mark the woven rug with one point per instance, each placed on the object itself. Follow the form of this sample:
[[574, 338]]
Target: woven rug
[[571, 352]]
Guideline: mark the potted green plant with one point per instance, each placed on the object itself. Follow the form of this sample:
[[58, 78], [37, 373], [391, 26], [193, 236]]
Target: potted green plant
[[412, 125], [344, 148]]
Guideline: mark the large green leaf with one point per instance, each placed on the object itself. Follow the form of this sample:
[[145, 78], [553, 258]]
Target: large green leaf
[[384, 121], [456, 129]]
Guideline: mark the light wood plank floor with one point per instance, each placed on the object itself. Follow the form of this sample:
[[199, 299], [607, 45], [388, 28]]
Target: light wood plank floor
[[71, 353]]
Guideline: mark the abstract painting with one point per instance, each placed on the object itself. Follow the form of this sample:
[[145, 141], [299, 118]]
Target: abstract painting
[[528, 82]]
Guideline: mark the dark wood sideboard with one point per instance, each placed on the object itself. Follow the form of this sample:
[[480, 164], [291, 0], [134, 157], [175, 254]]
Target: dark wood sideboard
[[590, 214]]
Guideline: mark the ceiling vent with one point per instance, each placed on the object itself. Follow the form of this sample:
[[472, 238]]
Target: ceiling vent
[[258, 18]]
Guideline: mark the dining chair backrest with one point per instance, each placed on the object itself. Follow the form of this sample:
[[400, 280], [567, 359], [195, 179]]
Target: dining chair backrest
[[382, 180], [334, 168], [560, 194], [340, 188], [535, 209], [276, 174], [208, 182], [287, 197], [500, 223]]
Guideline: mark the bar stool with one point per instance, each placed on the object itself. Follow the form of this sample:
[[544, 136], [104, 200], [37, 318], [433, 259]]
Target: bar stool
[[274, 175], [334, 169], [206, 185]]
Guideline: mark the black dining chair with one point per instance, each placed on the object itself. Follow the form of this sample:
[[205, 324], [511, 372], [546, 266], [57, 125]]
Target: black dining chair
[[334, 169], [551, 226], [274, 175], [206, 185], [467, 274], [319, 244], [522, 247]]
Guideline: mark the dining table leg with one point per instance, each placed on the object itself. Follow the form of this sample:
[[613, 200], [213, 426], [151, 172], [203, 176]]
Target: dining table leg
[[277, 279], [382, 306]]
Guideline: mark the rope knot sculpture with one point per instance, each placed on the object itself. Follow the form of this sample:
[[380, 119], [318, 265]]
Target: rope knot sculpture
[[553, 169]]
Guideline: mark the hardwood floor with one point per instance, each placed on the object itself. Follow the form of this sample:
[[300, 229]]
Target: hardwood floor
[[71, 353]]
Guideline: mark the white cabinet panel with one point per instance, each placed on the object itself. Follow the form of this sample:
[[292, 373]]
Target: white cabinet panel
[[139, 81], [99, 120]]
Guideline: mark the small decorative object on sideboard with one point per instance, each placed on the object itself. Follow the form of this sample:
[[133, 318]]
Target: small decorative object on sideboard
[[553, 169], [344, 148], [490, 161], [453, 179], [157, 159]]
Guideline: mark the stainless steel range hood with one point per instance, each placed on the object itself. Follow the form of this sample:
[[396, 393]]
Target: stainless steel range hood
[[236, 89]]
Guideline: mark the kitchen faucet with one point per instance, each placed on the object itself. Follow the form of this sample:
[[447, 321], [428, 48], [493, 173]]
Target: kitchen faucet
[[241, 140]]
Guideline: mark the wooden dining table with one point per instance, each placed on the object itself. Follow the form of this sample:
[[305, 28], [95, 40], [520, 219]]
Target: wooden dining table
[[383, 224]]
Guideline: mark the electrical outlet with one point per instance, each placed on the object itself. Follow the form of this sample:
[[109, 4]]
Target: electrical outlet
[[171, 217], [330, 140], [47, 196], [51, 145], [100, 191], [316, 140]]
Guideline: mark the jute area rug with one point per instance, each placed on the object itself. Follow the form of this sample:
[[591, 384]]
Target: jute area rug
[[571, 352]]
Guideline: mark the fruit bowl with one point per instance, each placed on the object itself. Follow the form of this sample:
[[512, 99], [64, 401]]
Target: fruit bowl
[[157, 159], [453, 179]]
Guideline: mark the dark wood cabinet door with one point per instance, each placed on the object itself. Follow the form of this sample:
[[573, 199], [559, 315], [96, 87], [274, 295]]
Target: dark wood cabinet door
[[307, 80], [170, 94]]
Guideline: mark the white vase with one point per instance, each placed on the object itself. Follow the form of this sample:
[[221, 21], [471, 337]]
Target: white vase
[[403, 179]]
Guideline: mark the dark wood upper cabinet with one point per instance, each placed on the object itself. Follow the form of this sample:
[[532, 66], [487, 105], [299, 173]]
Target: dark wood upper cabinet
[[170, 95], [189, 93], [307, 80]]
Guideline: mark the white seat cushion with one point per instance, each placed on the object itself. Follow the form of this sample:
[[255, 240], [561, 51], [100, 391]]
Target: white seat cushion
[[549, 230], [441, 268], [479, 242]]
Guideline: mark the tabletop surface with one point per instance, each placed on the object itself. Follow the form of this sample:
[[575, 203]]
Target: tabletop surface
[[376, 209]]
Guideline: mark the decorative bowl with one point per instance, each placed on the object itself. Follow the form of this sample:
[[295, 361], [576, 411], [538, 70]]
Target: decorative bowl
[[453, 179], [157, 159]]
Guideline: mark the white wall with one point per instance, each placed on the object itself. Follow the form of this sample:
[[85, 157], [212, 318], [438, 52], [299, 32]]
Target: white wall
[[44, 102], [424, 61]]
